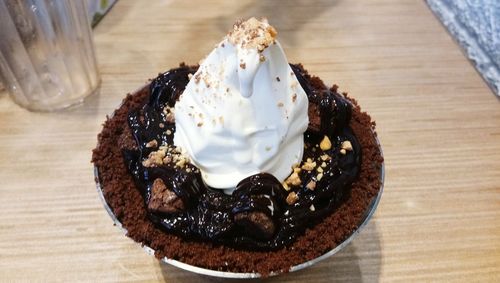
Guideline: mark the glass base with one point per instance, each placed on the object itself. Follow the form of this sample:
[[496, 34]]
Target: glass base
[[64, 105]]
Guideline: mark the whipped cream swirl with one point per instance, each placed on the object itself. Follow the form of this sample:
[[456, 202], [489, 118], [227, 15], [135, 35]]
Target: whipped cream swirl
[[243, 112]]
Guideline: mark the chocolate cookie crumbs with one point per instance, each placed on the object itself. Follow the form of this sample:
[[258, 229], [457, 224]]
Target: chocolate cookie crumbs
[[128, 205]]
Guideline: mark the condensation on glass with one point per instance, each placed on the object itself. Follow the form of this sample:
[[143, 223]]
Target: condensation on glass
[[47, 59]]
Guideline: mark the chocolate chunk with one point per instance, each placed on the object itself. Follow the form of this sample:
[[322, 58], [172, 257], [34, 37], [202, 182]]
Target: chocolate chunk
[[256, 224], [163, 199]]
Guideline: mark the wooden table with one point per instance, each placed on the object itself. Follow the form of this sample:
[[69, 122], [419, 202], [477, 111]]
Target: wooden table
[[439, 124]]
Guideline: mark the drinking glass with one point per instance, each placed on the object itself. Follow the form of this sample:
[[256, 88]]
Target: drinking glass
[[47, 59]]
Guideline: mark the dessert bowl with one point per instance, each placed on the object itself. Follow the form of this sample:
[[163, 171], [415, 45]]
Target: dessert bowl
[[286, 180], [248, 275]]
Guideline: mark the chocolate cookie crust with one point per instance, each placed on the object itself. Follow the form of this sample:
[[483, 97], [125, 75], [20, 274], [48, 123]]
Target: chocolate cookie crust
[[127, 204]]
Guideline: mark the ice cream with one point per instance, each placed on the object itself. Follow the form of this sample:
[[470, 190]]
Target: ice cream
[[243, 112]]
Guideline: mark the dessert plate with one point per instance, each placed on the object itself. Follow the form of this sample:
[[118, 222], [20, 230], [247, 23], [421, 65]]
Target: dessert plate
[[222, 274]]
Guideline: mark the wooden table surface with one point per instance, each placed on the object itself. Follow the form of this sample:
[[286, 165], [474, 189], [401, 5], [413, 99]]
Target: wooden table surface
[[439, 124]]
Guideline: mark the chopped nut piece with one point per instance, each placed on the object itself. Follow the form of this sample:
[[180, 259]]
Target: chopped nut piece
[[181, 163], [343, 151], [312, 208], [319, 169], [346, 145], [297, 170], [190, 76], [325, 144], [292, 198], [168, 132], [285, 186], [199, 124], [325, 157], [323, 164], [243, 65], [197, 78], [154, 158], [169, 114], [319, 177], [294, 179], [309, 165], [161, 125], [152, 143], [311, 185], [167, 159], [262, 58]]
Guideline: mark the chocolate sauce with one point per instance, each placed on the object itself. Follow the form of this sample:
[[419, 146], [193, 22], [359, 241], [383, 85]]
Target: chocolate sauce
[[257, 215]]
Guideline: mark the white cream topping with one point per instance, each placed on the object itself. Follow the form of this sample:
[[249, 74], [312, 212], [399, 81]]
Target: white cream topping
[[243, 112]]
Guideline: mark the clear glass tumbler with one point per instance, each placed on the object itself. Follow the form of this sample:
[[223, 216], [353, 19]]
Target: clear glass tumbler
[[47, 59]]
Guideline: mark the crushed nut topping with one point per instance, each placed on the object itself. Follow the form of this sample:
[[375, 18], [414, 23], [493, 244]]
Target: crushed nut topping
[[285, 186], [169, 114], [167, 160], [292, 198], [325, 157], [346, 145], [152, 143], [252, 33], [309, 165], [319, 177], [155, 158], [166, 155], [311, 185], [197, 77], [325, 144], [294, 179]]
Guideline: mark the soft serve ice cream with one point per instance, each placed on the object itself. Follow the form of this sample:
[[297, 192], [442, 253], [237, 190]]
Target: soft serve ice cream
[[243, 112]]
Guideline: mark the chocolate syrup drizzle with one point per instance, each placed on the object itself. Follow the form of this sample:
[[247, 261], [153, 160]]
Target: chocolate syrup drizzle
[[256, 216]]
